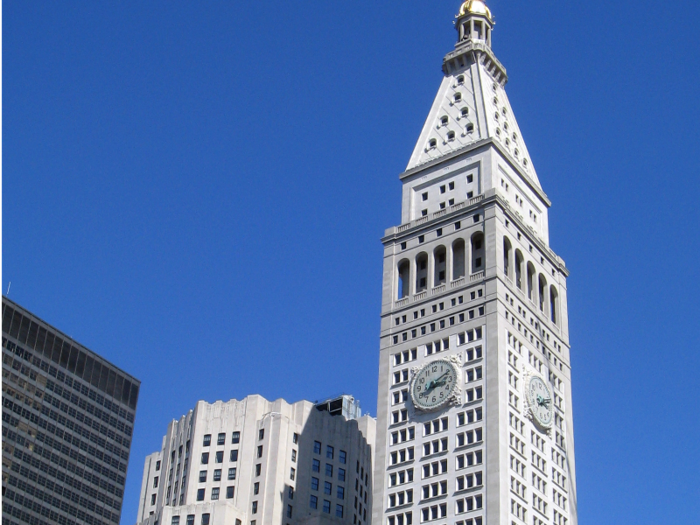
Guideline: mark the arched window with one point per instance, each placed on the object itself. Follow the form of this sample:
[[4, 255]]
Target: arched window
[[553, 305], [421, 272], [506, 256], [542, 292], [530, 281], [404, 278], [458, 259], [518, 269], [440, 265], [478, 263]]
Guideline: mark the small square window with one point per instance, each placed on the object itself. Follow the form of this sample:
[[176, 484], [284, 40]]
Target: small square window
[[421, 238], [451, 185], [442, 205], [451, 202], [476, 217], [458, 225], [425, 196], [470, 194], [403, 245], [439, 232], [470, 178], [424, 213], [442, 189]]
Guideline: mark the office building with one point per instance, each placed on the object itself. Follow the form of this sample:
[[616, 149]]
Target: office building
[[255, 462], [67, 421]]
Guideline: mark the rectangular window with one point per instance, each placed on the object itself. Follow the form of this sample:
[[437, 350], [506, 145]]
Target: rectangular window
[[207, 440], [215, 493], [205, 458], [229, 492], [205, 519], [190, 519], [313, 502], [217, 475], [294, 455], [295, 438], [260, 451], [292, 473], [220, 456], [200, 495], [232, 473], [256, 488], [235, 438], [175, 520], [157, 469], [314, 483], [329, 452], [261, 433], [233, 456], [328, 488], [341, 474], [340, 492], [339, 511], [326, 506], [221, 439], [317, 447], [342, 456], [258, 469], [155, 482], [289, 511], [316, 465], [254, 507], [329, 470]]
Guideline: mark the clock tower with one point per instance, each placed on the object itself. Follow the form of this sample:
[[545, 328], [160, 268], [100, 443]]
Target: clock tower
[[474, 408]]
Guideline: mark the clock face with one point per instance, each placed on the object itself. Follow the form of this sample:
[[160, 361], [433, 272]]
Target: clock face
[[540, 400], [433, 384]]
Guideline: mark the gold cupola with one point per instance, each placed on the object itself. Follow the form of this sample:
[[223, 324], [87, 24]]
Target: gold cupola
[[475, 7]]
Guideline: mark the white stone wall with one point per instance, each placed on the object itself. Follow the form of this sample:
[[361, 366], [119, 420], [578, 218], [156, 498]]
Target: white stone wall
[[274, 466]]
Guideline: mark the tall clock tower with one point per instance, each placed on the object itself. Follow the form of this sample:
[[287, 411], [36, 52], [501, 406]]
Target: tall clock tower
[[474, 413]]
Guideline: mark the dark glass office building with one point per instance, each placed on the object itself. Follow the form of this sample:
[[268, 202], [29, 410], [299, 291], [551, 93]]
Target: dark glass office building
[[67, 422]]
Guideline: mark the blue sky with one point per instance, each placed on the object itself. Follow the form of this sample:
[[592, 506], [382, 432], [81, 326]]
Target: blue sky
[[196, 191]]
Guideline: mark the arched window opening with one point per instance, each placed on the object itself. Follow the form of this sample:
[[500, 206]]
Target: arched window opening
[[458, 259], [553, 305], [506, 256], [421, 272], [404, 278], [530, 281], [542, 292], [518, 269], [440, 264], [478, 263]]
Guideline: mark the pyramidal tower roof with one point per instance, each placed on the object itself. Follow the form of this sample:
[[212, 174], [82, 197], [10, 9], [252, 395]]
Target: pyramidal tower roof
[[471, 106]]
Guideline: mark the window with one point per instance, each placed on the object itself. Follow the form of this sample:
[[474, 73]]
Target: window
[[425, 196], [153, 499], [295, 438], [254, 507], [233, 456], [292, 473], [157, 469], [232, 473], [229, 492], [316, 465], [329, 451], [215, 493], [450, 135], [340, 492], [328, 488], [235, 438], [200, 495], [261, 433], [190, 519], [175, 520], [207, 440], [155, 482], [329, 470], [339, 511], [342, 456], [294, 455], [205, 458], [260, 451], [432, 143], [444, 120], [314, 483], [217, 475], [221, 439], [317, 447], [289, 511], [256, 488], [220, 456], [313, 502], [341, 474], [205, 518], [258, 469], [326, 506]]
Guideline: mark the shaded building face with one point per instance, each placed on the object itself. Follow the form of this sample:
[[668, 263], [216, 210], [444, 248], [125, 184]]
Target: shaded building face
[[68, 418]]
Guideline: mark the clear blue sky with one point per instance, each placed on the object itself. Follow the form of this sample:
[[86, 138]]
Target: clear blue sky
[[196, 191]]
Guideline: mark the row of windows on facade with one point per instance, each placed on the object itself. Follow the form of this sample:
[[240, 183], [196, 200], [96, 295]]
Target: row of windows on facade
[[471, 354], [438, 307], [438, 262], [330, 452], [442, 324], [78, 362], [547, 298], [339, 509], [431, 514], [449, 202]]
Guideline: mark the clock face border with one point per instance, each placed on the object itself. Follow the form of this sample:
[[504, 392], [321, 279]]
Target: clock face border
[[450, 398], [531, 410]]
